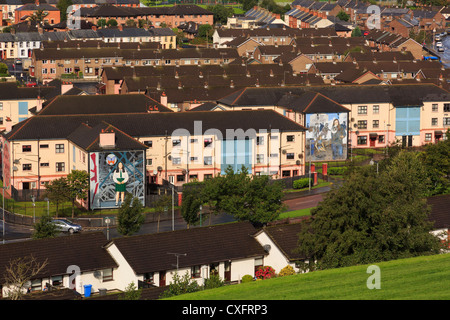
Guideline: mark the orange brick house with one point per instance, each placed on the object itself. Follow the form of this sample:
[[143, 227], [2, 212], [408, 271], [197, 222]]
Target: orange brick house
[[25, 12]]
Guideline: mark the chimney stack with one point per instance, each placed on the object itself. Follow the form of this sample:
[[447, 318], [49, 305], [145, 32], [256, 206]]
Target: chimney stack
[[107, 139], [163, 99]]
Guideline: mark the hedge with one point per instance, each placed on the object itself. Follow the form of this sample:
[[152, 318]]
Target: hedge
[[337, 171], [301, 183]]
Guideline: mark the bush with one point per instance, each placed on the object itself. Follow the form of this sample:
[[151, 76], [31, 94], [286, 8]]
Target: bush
[[266, 272], [180, 285], [247, 278], [301, 183], [337, 171], [214, 281], [286, 271]]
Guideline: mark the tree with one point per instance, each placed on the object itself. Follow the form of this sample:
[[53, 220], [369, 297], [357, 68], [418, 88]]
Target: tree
[[77, 187], [111, 23], [161, 205], [343, 16], [62, 5], [356, 32], [247, 198], [436, 159], [44, 228], [372, 217], [101, 23], [205, 31], [221, 13], [190, 206], [130, 216], [38, 16], [130, 23], [57, 191], [131, 293], [18, 274]]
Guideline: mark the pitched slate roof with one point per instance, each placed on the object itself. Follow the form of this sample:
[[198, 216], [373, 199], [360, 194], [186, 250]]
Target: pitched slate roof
[[102, 104], [153, 124], [84, 250], [285, 236], [202, 245]]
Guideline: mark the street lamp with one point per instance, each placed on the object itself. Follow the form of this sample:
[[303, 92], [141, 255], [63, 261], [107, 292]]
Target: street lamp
[[3, 209], [48, 206], [201, 207], [33, 198]]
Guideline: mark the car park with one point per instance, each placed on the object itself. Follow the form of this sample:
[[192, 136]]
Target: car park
[[64, 225]]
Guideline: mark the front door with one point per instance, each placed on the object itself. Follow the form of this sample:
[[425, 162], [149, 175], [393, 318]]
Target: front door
[[162, 278], [372, 141], [227, 274]]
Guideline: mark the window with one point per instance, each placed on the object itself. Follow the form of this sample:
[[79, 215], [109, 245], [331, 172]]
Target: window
[[59, 148], [67, 70], [207, 142], [274, 155], [26, 148], [289, 156], [434, 107], [434, 121], [194, 140], [195, 271], [362, 109], [194, 159], [148, 162], [107, 275], [26, 167], [180, 178], [207, 176], [380, 139], [290, 138], [259, 262], [53, 70], [44, 71], [148, 143], [60, 166], [176, 142], [362, 140], [286, 173], [45, 164], [446, 107], [149, 277], [259, 141], [446, 121], [375, 124], [176, 161], [1, 106], [376, 109], [428, 136], [167, 62], [43, 146], [57, 281], [36, 285], [362, 124], [1, 120], [207, 161], [260, 158]]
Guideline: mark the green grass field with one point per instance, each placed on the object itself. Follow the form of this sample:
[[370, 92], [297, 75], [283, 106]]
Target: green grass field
[[421, 278], [295, 213]]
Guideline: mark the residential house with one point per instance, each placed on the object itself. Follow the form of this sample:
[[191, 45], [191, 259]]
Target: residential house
[[50, 13]]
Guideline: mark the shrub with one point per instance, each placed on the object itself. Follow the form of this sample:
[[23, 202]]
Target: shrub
[[247, 278], [214, 281], [334, 171], [286, 271], [266, 272], [301, 183]]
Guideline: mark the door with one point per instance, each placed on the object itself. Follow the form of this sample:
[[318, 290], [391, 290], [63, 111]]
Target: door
[[162, 278], [410, 141], [227, 275], [372, 141], [25, 185]]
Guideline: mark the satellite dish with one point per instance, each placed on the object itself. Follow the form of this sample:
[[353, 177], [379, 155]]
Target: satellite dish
[[155, 171], [284, 151], [97, 274], [298, 162], [267, 248]]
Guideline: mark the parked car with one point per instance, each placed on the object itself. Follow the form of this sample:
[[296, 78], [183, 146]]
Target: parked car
[[438, 44], [66, 226], [441, 49]]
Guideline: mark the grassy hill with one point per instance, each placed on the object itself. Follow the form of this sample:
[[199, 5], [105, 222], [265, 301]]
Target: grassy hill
[[422, 278]]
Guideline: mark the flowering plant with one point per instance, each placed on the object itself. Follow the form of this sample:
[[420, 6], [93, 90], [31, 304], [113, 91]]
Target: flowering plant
[[266, 272]]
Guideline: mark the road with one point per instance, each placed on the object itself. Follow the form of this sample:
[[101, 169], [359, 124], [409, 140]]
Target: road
[[19, 232], [445, 56]]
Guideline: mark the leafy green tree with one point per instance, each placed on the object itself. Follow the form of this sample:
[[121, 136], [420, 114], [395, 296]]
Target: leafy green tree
[[62, 5], [181, 285], [161, 205], [190, 206], [130, 217], [372, 217], [247, 198], [77, 186], [436, 159], [3, 68], [38, 16], [205, 31], [221, 13], [343, 16], [131, 293], [57, 191], [101, 23], [111, 23], [356, 32], [44, 228], [130, 23]]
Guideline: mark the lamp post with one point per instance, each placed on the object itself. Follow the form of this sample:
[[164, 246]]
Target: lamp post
[[3, 209], [173, 208], [201, 208], [387, 137], [33, 198], [48, 206]]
